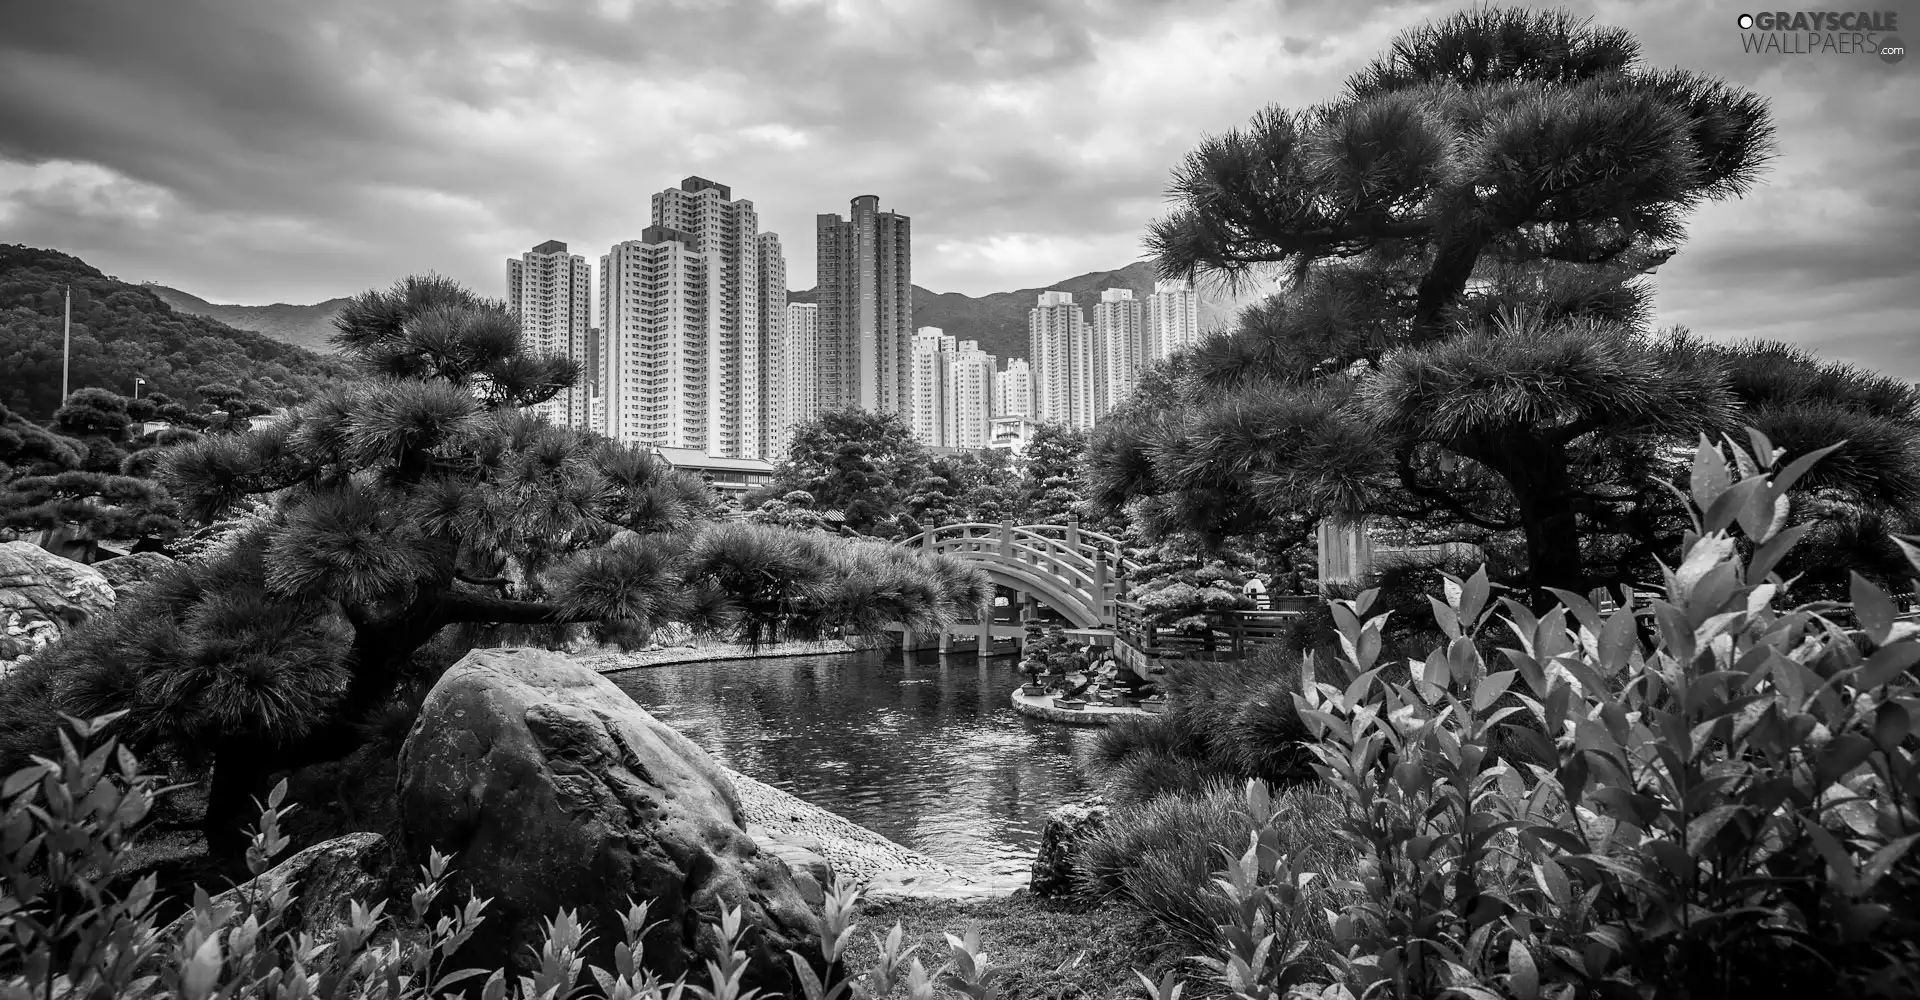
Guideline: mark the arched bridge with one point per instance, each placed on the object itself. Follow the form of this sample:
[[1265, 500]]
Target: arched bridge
[[1070, 569]]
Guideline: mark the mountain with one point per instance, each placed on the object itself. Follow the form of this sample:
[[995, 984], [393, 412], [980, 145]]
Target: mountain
[[998, 320], [303, 326], [122, 332]]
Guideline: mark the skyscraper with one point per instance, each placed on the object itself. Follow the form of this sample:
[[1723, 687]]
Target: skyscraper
[[800, 403], [776, 375], [1061, 353], [865, 339], [653, 333], [551, 291], [1119, 348], [726, 231], [682, 327], [932, 350], [969, 400], [1013, 389], [1173, 318]]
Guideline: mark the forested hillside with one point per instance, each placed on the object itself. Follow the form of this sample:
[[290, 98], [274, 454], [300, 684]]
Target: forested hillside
[[123, 331]]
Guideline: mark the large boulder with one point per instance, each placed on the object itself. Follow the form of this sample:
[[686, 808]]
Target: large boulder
[[42, 597], [1067, 829], [549, 788], [323, 881], [127, 572]]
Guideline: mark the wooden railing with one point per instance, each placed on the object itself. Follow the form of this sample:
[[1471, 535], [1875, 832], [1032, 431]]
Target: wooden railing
[[1233, 635]]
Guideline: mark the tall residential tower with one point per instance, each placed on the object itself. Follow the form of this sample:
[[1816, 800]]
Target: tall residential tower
[[1061, 353], [683, 335], [551, 291], [865, 340], [1173, 318]]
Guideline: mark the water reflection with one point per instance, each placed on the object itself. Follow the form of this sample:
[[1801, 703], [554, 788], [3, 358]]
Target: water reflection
[[928, 754]]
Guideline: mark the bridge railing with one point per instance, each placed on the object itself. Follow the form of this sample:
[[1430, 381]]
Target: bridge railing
[[1074, 565], [1068, 542], [1231, 636]]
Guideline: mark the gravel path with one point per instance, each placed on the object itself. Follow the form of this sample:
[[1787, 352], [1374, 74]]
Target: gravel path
[[612, 660], [852, 850]]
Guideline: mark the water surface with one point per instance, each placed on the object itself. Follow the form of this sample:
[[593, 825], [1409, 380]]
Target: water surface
[[929, 755]]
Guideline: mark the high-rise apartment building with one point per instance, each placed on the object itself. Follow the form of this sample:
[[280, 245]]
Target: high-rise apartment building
[[594, 366], [653, 333], [952, 390], [932, 350], [773, 422], [865, 341], [551, 291], [1173, 318], [1119, 345], [1013, 389], [727, 232], [969, 397], [1061, 352], [801, 399], [684, 337]]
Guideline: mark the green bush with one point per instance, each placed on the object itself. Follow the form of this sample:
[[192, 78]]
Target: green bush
[[1162, 855], [1726, 807], [65, 934], [1224, 721]]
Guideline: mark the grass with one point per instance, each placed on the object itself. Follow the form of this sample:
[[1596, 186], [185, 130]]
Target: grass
[[1053, 949], [1162, 856]]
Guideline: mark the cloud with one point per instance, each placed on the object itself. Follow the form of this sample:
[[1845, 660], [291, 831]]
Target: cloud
[[259, 150]]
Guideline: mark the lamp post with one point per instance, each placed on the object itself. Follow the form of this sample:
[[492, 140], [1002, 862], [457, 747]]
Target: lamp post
[[66, 345], [138, 382]]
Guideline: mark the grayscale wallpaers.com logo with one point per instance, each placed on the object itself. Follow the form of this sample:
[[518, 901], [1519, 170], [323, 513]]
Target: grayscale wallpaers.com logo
[[1810, 32]]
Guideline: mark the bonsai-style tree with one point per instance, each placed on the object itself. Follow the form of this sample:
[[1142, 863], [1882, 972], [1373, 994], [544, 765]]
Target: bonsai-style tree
[[424, 500], [1183, 589], [98, 419], [1461, 344], [1050, 490], [795, 510], [66, 478], [860, 463]]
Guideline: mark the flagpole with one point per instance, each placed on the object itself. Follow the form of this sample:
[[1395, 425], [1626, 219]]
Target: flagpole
[[66, 347]]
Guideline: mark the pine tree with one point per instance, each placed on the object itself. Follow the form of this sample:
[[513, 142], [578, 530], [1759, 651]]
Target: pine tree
[[1051, 484], [860, 463], [68, 477], [1462, 346], [425, 503]]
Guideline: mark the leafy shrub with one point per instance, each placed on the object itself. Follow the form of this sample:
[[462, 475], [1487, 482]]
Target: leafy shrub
[[65, 935], [1727, 803], [1224, 721]]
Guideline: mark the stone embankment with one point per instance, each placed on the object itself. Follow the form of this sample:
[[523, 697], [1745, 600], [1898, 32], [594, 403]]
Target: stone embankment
[[1042, 707]]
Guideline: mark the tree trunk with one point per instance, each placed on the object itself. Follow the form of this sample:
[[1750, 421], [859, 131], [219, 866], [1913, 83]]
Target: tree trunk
[[243, 769], [1544, 494], [1445, 281]]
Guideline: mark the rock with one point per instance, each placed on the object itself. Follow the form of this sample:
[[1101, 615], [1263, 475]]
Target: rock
[[920, 883], [325, 879], [124, 573], [549, 788], [801, 854], [42, 597], [1060, 840]]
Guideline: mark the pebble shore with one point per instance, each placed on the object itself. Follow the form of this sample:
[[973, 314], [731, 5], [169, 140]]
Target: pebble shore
[[608, 660]]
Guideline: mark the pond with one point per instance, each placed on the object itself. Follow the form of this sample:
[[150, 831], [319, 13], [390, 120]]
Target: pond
[[929, 755]]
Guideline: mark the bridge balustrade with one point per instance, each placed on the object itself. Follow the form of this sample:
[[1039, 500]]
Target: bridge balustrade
[[1231, 636]]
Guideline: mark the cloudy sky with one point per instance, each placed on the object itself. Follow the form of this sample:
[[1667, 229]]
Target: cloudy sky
[[256, 151]]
